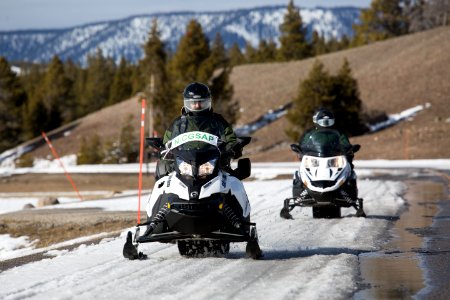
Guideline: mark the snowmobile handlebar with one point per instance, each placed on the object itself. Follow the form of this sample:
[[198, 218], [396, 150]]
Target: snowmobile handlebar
[[241, 142], [356, 147], [237, 148], [297, 149], [155, 142]]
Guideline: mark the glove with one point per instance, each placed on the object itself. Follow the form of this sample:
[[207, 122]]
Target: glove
[[237, 153]]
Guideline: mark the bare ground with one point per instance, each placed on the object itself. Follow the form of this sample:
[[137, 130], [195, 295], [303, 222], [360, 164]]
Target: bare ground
[[113, 183], [51, 226]]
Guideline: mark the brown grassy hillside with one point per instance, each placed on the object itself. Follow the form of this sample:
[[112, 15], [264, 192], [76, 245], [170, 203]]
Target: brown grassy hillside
[[393, 75]]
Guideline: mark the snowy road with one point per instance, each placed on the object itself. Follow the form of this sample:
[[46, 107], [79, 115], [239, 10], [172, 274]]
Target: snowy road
[[304, 258]]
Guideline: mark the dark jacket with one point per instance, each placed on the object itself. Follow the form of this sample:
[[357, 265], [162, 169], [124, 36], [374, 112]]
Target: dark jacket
[[209, 122]]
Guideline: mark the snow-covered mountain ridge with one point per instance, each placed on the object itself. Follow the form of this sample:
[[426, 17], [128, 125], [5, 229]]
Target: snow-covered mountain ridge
[[125, 37]]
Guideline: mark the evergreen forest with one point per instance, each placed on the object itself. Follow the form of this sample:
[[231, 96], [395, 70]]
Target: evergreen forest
[[42, 97]]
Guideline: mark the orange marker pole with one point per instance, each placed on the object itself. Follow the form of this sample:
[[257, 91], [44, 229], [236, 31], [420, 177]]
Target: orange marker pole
[[141, 158], [61, 164]]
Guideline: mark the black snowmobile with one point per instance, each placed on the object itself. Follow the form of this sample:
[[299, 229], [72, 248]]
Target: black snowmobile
[[201, 205], [325, 180]]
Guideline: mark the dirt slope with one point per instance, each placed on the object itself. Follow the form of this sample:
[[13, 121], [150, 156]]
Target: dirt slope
[[393, 75]]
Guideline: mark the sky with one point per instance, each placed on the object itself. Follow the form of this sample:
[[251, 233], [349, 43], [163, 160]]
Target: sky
[[51, 14]]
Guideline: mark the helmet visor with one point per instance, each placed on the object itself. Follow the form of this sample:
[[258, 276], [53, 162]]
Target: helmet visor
[[197, 104], [325, 122]]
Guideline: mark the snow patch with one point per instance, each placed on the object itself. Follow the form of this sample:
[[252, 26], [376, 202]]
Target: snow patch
[[13, 247], [396, 118]]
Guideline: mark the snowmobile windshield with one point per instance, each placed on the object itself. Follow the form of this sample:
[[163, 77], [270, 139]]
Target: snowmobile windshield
[[193, 140], [323, 143], [197, 156], [196, 153]]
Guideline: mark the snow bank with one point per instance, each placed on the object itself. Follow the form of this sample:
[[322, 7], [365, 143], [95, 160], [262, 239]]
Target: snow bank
[[304, 257]]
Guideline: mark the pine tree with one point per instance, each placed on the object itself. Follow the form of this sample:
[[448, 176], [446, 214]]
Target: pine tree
[[121, 84], [384, 19], [73, 73], [99, 78], [338, 93], [128, 146], [250, 53], [333, 45], [91, 151], [83, 153], [36, 118], [31, 78], [293, 36], [54, 93], [313, 93], [222, 93], [344, 43], [12, 98], [216, 59], [267, 52], [346, 104], [235, 55], [272, 50], [160, 91], [138, 81], [195, 61], [318, 44], [193, 50], [218, 70]]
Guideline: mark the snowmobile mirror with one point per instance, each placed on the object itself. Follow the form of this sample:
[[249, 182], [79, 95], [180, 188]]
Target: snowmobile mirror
[[243, 169], [356, 147], [296, 148], [244, 141], [240, 143], [155, 142]]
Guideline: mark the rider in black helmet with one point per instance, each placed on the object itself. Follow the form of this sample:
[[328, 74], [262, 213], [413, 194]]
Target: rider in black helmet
[[323, 119], [197, 115], [197, 98]]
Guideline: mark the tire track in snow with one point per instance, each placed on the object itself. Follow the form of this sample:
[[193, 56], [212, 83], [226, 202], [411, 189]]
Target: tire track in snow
[[304, 257]]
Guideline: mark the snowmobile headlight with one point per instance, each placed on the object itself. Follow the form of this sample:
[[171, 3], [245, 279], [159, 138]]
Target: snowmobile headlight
[[310, 162], [184, 167], [336, 162], [207, 168]]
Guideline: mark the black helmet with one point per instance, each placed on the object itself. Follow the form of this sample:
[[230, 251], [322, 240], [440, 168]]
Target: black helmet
[[197, 97], [323, 118]]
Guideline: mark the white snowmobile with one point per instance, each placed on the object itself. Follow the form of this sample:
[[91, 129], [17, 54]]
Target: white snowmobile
[[325, 180], [199, 205]]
